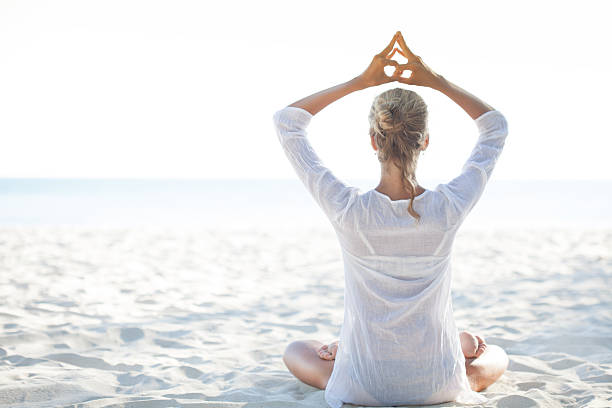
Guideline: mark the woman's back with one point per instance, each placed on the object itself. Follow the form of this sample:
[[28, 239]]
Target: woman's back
[[398, 340], [376, 225]]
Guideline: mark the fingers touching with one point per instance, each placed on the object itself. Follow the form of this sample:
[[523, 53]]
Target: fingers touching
[[407, 53], [389, 47], [374, 74], [410, 66], [390, 51], [398, 51]]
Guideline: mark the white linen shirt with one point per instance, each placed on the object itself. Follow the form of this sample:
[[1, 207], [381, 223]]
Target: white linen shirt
[[398, 343]]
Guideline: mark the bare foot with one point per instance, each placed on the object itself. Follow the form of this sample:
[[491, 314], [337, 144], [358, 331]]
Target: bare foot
[[482, 346], [328, 352], [472, 346]]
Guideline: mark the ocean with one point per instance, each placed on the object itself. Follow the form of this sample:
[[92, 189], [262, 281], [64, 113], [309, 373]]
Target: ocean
[[243, 202]]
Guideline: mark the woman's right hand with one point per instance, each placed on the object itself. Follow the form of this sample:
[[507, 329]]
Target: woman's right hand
[[420, 73]]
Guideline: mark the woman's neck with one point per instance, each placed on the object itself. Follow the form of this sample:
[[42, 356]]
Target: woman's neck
[[391, 185], [395, 192]]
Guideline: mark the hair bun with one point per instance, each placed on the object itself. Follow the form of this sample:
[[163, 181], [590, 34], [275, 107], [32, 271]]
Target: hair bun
[[384, 117]]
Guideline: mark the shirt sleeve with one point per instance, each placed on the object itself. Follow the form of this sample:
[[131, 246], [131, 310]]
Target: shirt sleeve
[[330, 193], [464, 191]]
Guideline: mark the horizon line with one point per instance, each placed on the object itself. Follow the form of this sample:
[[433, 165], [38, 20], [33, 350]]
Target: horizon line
[[98, 178]]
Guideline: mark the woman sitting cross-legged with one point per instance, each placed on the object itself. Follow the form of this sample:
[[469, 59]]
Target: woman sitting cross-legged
[[398, 343]]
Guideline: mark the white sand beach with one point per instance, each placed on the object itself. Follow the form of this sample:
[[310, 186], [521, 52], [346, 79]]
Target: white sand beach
[[94, 317]]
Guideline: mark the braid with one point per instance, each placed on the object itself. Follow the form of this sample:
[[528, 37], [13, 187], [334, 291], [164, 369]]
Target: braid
[[398, 123]]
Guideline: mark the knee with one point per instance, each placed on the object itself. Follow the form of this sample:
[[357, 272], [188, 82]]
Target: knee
[[502, 357], [488, 368], [301, 360], [293, 350]]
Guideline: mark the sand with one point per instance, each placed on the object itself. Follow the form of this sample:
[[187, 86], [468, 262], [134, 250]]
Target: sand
[[200, 318]]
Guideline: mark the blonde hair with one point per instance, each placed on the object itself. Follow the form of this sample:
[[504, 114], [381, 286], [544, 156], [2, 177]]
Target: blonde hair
[[398, 123]]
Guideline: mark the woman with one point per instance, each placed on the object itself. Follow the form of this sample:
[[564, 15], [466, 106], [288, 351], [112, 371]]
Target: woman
[[398, 343]]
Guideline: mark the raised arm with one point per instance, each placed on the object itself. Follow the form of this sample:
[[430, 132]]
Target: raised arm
[[471, 104]]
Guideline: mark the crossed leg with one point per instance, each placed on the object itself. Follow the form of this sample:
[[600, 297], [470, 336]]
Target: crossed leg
[[304, 360]]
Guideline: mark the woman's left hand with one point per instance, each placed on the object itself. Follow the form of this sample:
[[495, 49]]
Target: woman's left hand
[[375, 73]]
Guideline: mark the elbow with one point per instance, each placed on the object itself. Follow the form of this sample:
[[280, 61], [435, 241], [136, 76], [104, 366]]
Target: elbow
[[492, 122], [502, 124], [276, 118]]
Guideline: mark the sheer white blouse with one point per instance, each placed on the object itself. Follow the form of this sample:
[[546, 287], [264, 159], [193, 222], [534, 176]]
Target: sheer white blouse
[[398, 343]]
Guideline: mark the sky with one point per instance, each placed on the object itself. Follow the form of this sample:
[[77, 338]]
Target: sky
[[187, 89]]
